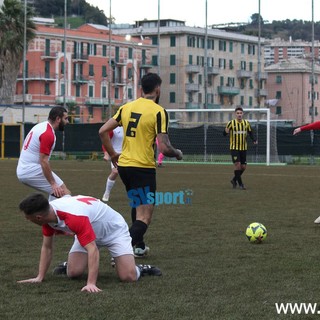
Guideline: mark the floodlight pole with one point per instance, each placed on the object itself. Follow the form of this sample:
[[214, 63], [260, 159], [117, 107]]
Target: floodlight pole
[[24, 67], [110, 73]]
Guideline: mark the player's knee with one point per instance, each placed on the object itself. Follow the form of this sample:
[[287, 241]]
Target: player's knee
[[129, 276], [74, 273]]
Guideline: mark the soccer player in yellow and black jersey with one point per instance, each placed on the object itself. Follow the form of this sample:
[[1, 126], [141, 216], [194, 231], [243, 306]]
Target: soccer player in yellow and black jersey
[[143, 120], [238, 129]]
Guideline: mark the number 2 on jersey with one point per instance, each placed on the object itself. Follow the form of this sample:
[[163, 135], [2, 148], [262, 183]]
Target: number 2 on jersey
[[132, 125]]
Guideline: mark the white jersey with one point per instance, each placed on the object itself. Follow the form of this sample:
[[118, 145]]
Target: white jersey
[[116, 137], [88, 218], [40, 139]]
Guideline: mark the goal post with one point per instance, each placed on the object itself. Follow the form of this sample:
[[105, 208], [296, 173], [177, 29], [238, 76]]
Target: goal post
[[199, 134]]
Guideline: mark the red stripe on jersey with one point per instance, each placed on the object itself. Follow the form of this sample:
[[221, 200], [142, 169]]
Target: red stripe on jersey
[[46, 140], [80, 225], [111, 134]]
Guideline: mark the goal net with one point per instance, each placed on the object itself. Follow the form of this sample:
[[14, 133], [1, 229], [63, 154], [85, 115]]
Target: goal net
[[199, 134]]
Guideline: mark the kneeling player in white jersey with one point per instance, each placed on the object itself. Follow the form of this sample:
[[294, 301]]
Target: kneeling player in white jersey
[[94, 225], [33, 167]]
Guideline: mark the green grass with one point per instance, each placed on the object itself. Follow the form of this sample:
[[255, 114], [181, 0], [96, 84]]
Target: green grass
[[210, 270]]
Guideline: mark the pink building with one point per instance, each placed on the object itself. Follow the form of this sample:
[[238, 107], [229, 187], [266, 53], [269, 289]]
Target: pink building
[[85, 80], [289, 88]]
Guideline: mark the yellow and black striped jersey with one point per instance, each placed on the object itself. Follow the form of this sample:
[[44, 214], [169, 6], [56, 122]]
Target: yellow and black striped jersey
[[141, 120], [238, 131]]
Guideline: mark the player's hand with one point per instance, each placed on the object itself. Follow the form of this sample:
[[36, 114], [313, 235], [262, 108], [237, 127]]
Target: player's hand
[[115, 159], [226, 130], [255, 142], [91, 288], [296, 131], [180, 155], [32, 280], [57, 191]]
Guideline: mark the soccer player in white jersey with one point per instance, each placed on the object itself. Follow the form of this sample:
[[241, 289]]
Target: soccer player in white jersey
[[94, 225], [33, 167], [116, 137]]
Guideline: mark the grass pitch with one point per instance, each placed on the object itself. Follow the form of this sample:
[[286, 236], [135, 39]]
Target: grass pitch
[[210, 270]]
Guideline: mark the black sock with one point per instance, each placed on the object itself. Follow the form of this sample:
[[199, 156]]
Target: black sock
[[137, 230], [133, 215], [238, 176], [234, 178]]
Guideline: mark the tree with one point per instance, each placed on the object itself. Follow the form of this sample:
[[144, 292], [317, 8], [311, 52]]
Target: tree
[[255, 19], [11, 45]]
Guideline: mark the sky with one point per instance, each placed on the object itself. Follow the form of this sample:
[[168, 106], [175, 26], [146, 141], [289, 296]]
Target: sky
[[219, 11]]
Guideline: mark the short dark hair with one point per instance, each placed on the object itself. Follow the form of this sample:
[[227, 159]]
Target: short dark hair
[[34, 203], [56, 112], [150, 81], [238, 109]]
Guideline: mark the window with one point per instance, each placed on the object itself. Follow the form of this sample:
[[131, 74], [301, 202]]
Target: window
[[251, 84], [91, 70], [250, 101], [104, 50], [116, 93], [242, 48], [130, 53], [172, 97], [62, 68], [221, 81], [222, 63], [104, 71], [278, 110], [230, 64], [250, 66], [278, 95], [62, 45], [242, 83], [242, 100], [278, 79], [95, 49], [130, 93], [230, 46], [222, 45], [62, 89], [243, 65], [172, 41], [103, 92], [47, 88], [172, 78], [78, 91], [200, 79], [154, 60], [172, 60], [190, 59], [47, 69], [90, 89], [154, 40]]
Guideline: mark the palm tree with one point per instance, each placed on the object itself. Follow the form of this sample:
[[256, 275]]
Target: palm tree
[[11, 45]]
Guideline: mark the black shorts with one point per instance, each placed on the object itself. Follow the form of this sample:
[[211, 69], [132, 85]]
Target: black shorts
[[239, 156], [139, 182]]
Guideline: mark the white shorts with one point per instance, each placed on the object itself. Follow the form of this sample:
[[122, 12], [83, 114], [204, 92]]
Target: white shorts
[[37, 180], [117, 247]]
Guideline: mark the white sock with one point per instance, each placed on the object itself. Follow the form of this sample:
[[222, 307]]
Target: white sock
[[138, 273], [109, 185]]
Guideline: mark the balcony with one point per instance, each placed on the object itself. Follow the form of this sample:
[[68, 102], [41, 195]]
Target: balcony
[[263, 76], [38, 75], [228, 91], [244, 74], [145, 65], [81, 79], [18, 98], [213, 106], [121, 62], [47, 55], [80, 57], [69, 99], [213, 70], [263, 93], [191, 105], [118, 82], [192, 87], [97, 101], [192, 68]]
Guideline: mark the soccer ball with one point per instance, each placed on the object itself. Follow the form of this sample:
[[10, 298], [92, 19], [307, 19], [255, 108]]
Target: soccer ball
[[256, 232]]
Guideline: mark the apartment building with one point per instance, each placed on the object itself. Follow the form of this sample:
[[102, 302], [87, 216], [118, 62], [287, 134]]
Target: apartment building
[[223, 74], [85, 69], [290, 90], [278, 49]]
